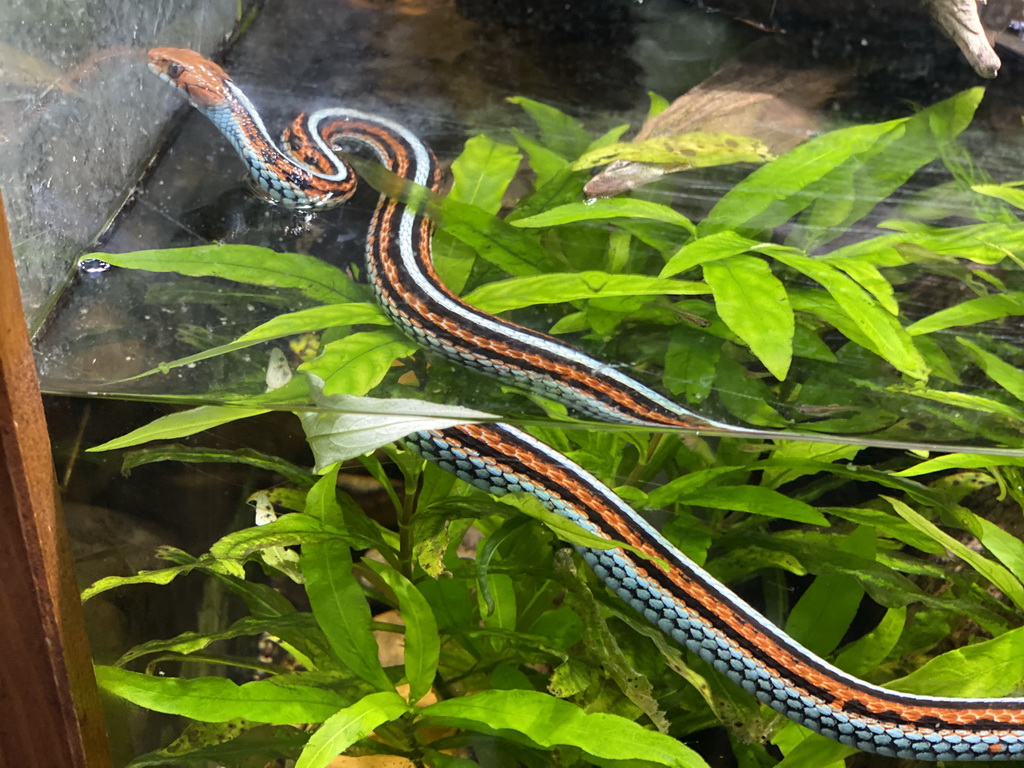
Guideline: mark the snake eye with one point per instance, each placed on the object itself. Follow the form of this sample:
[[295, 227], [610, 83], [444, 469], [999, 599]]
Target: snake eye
[[295, 143], [175, 70]]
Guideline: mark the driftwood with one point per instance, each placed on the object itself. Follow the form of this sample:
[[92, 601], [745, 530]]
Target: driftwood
[[766, 93], [960, 21], [777, 95]]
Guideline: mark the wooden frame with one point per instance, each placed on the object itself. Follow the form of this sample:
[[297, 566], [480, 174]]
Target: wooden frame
[[49, 707]]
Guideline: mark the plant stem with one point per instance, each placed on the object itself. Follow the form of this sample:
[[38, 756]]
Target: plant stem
[[405, 542]]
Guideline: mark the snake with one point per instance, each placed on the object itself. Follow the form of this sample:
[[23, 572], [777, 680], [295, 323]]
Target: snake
[[651, 575]]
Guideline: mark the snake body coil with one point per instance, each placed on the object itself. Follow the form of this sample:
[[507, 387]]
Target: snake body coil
[[667, 589]]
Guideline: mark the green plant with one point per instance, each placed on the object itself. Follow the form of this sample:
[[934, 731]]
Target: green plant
[[529, 655]]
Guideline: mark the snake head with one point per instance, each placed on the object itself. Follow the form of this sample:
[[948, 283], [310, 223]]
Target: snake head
[[199, 79]]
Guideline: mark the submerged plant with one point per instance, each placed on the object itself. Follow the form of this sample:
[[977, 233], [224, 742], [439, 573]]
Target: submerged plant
[[778, 326]]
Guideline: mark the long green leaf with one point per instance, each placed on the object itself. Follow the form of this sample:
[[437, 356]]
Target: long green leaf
[[246, 264], [890, 339], [550, 722], [960, 461], [718, 245], [183, 453], [216, 699], [422, 642], [343, 729], [756, 500], [980, 310], [206, 743], [159, 576], [288, 324], [289, 530], [1008, 193], [1009, 377], [190, 642], [775, 192], [352, 426], [991, 668], [855, 187], [572, 286], [965, 400], [357, 363], [613, 208], [982, 243], [483, 171], [994, 572], [544, 163], [181, 424], [559, 132], [516, 251], [341, 609]]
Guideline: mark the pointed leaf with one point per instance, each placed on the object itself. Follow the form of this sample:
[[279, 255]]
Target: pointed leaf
[[246, 264], [550, 722], [343, 729], [755, 306], [340, 608], [216, 699]]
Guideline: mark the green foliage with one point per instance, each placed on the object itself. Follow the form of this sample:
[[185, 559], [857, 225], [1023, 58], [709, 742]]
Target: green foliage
[[801, 335], [487, 627], [752, 312]]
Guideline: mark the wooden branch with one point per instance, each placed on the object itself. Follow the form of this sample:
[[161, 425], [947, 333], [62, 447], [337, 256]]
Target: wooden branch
[[50, 707], [960, 21]]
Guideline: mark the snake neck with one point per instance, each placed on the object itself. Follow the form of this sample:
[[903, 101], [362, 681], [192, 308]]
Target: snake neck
[[286, 178]]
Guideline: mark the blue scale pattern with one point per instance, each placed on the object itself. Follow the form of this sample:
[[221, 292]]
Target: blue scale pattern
[[672, 618]]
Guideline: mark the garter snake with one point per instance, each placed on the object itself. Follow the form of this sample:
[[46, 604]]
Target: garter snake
[[666, 588]]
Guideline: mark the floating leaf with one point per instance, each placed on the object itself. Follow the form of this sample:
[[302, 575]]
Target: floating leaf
[[246, 264], [689, 150]]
